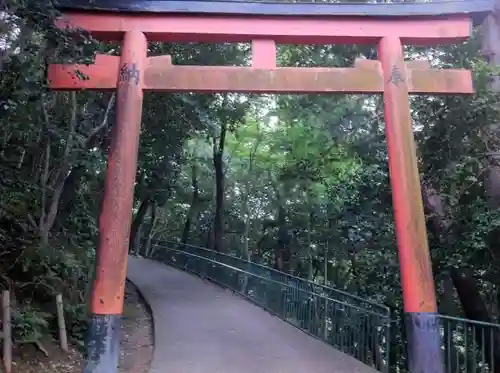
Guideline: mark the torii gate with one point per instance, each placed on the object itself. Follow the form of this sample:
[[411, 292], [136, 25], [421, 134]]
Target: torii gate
[[135, 22]]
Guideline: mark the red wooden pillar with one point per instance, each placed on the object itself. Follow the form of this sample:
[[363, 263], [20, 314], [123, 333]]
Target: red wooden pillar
[[116, 214], [416, 270]]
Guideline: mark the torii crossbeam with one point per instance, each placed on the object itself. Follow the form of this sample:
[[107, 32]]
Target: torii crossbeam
[[160, 75], [135, 22]]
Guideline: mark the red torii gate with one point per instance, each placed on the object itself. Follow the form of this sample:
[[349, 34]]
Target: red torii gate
[[133, 72]]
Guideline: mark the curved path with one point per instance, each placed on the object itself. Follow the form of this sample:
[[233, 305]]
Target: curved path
[[200, 328]]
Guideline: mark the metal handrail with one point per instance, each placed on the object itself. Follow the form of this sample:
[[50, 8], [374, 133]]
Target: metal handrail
[[360, 332], [289, 286], [372, 337], [381, 307]]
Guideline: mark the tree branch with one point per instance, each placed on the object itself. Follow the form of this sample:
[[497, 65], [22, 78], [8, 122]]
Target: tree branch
[[104, 124]]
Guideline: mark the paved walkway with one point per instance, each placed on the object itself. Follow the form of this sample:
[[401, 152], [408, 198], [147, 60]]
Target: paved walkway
[[201, 328]]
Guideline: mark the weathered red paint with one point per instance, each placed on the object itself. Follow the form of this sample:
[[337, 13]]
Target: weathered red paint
[[263, 54], [283, 30], [365, 77], [416, 271], [116, 213]]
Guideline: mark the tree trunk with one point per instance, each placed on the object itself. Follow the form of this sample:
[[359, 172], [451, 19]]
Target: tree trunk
[[488, 339], [49, 210], [245, 248], [137, 222], [67, 179], [447, 307], [136, 244], [219, 189], [469, 295], [282, 253], [310, 250], [147, 246], [70, 189], [193, 208], [246, 229]]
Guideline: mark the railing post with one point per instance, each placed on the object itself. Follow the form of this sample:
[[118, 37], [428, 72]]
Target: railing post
[[103, 343], [415, 263]]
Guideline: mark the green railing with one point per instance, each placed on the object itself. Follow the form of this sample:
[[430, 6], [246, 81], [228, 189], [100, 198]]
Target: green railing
[[356, 326], [276, 275], [359, 331], [470, 346]]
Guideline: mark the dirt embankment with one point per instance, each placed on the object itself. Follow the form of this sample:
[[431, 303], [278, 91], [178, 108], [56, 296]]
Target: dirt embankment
[[136, 348]]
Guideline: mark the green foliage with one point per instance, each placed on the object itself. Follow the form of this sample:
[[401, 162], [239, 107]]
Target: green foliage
[[29, 324], [53, 150], [305, 178]]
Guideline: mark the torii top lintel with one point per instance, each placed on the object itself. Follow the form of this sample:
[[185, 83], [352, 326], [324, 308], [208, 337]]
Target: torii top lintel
[[427, 23]]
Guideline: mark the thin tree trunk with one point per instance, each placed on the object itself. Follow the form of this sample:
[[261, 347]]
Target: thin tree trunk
[[49, 212], [310, 268], [147, 245], [219, 189], [136, 224], [282, 255], [193, 208], [245, 248], [44, 233], [447, 307], [246, 229], [72, 180]]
